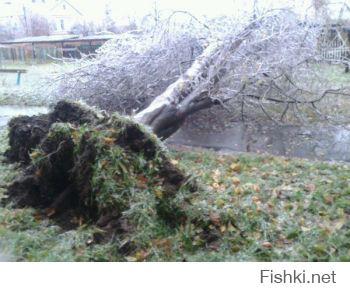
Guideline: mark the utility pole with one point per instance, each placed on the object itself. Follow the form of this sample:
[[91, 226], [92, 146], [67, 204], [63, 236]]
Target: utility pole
[[255, 9], [25, 19]]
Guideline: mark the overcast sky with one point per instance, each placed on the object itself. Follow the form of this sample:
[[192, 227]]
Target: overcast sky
[[123, 9], [136, 8]]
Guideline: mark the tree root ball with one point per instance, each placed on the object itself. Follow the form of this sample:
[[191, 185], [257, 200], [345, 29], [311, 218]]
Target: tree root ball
[[25, 133], [82, 165]]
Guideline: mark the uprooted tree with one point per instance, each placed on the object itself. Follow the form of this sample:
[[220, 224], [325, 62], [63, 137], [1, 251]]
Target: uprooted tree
[[96, 165], [269, 64]]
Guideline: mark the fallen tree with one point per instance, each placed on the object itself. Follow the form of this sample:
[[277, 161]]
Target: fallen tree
[[94, 165], [191, 92], [162, 75]]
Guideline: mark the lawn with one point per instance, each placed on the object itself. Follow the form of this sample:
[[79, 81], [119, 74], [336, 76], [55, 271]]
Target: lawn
[[27, 92], [259, 208]]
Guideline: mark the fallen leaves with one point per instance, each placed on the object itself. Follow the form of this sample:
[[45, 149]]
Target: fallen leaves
[[328, 199], [255, 188], [305, 229], [230, 227], [164, 243], [220, 203], [282, 191], [310, 188], [216, 175], [270, 204], [235, 248], [249, 187], [131, 259], [142, 181], [214, 246], [141, 255], [158, 193], [255, 199], [222, 228], [236, 181], [75, 136], [35, 154], [238, 191], [104, 164], [217, 178], [267, 244], [218, 187], [235, 167], [339, 224], [108, 141], [214, 218]]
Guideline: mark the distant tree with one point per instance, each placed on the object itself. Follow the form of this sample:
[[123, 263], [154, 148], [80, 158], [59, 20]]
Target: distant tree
[[32, 24], [85, 28], [39, 25], [108, 20], [110, 24], [6, 32], [321, 8]]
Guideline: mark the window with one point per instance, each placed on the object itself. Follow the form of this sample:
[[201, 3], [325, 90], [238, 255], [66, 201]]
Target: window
[[62, 24]]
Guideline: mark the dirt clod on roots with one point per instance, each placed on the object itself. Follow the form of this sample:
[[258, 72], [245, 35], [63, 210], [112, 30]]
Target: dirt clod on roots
[[84, 166], [27, 132]]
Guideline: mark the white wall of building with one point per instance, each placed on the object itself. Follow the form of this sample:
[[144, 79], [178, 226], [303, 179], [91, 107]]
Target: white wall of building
[[59, 12]]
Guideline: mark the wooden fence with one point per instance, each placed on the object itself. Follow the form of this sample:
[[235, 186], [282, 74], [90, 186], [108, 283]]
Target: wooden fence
[[23, 54], [45, 51]]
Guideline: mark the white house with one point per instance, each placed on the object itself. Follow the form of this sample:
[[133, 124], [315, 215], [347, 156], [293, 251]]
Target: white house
[[64, 15], [61, 13]]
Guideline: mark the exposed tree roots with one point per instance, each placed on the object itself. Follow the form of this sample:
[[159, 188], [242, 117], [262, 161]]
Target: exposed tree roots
[[86, 167]]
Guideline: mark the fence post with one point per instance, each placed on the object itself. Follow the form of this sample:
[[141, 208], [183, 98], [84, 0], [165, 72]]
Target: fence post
[[18, 82], [33, 51]]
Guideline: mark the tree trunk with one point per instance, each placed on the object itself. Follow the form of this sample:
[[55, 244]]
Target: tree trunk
[[192, 91]]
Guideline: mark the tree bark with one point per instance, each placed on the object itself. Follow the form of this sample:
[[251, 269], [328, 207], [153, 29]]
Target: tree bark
[[192, 91]]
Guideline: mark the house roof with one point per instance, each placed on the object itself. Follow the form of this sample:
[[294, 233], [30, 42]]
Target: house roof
[[339, 11], [96, 37], [42, 39], [59, 38], [69, 4]]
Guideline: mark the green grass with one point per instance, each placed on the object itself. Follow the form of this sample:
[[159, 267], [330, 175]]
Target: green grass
[[259, 208], [335, 74], [335, 106]]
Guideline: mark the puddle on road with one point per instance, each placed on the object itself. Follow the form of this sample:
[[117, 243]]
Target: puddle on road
[[330, 143]]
